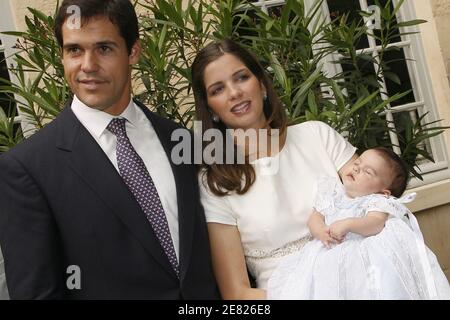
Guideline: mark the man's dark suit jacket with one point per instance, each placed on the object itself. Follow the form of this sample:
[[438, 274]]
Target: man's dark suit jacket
[[63, 203]]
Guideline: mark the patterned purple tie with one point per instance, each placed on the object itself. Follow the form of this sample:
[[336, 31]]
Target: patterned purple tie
[[135, 175]]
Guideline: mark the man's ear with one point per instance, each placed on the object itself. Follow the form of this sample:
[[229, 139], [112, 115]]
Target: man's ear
[[135, 53]]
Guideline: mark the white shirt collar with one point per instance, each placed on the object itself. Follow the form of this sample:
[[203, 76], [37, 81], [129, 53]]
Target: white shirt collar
[[96, 121]]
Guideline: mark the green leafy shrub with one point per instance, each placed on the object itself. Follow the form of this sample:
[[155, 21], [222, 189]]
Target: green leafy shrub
[[293, 45]]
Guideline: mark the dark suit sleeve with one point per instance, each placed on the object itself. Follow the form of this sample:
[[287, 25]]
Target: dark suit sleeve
[[28, 236]]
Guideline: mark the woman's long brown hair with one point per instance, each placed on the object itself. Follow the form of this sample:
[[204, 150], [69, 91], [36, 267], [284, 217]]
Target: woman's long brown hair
[[222, 179]]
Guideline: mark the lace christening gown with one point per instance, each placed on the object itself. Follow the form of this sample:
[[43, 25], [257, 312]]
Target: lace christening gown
[[394, 264]]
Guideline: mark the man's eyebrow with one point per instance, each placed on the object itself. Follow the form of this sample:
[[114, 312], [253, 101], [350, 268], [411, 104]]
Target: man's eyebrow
[[70, 45], [106, 43], [97, 44]]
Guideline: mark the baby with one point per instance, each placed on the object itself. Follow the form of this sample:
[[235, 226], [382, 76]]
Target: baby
[[367, 244]]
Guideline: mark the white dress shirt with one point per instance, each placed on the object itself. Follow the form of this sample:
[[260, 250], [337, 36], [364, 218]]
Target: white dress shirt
[[143, 137]]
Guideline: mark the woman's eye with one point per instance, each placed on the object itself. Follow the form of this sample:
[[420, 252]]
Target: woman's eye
[[243, 77], [216, 90]]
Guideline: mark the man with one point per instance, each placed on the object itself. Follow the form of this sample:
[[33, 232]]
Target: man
[[92, 205]]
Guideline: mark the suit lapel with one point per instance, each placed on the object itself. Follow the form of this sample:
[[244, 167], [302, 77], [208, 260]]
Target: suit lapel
[[92, 165], [187, 209]]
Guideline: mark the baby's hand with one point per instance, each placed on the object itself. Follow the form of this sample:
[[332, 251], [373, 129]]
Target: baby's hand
[[325, 237], [339, 229]]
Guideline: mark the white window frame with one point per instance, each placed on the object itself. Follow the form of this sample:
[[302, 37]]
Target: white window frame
[[439, 170], [420, 83]]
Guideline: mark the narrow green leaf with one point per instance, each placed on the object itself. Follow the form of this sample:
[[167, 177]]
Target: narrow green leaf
[[312, 103], [410, 23], [38, 14]]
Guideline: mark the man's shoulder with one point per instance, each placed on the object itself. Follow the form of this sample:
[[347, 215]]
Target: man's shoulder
[[39, 143], [166, 122], [158, 119]]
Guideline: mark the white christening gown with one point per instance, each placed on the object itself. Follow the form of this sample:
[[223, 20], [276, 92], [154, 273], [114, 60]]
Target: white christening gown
[[394, 264]]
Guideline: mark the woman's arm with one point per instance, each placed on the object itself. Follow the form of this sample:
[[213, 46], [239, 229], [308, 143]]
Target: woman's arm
[[229, 264], [367, 226]]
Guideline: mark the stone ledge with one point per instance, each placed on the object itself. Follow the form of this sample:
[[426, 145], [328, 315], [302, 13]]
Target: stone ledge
[[430, 196]]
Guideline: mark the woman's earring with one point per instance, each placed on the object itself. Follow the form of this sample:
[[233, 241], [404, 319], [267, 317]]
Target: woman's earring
[[266, 105], [215, 118]]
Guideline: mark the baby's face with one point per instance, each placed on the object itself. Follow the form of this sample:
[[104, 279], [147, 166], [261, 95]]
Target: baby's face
[[370, 173]]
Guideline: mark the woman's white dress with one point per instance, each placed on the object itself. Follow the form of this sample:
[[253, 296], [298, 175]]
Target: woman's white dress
[[271, 217], [394, 264]]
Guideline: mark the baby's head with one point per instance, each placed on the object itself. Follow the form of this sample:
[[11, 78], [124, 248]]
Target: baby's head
[[377, 170]]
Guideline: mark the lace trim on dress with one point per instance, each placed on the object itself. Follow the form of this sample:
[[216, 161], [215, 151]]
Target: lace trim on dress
[[326, 194], [372, 274], [389, 205], [412, 280], [254, 257], [279, 252]]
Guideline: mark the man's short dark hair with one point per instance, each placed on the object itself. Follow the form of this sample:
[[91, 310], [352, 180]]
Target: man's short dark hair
[[120, 12]]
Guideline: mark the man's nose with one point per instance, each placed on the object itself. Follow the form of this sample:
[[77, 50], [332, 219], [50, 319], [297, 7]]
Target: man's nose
[[89, 63]]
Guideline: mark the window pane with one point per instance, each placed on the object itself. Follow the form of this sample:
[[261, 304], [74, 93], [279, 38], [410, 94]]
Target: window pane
[[363, 74], [245, 27], [6, 103], [337, 8], [379, 135], [275, 11], [396, 70], [396, 36], [404, 120]]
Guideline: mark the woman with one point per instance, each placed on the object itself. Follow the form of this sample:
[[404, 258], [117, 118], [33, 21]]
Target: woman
[[256, 216]]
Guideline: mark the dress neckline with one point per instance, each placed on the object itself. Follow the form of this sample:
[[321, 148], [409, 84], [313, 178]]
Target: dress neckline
[[278, 154]]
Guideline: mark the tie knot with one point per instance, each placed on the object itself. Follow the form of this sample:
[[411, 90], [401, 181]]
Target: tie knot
[[117, 127]]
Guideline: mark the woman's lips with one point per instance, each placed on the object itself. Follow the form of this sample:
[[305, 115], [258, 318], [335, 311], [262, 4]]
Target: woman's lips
[[241, 108]]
